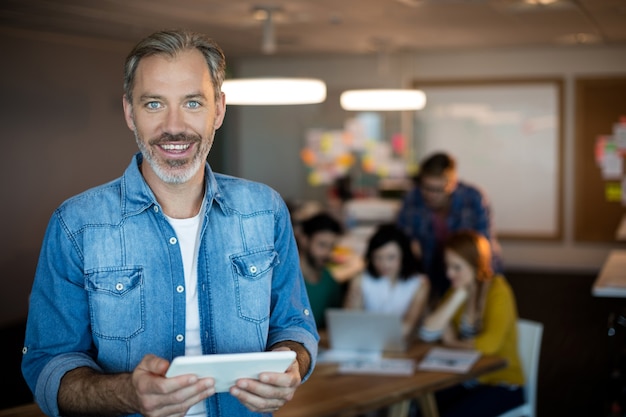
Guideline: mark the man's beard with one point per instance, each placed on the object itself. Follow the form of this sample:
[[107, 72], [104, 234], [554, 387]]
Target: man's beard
[[175, 171]]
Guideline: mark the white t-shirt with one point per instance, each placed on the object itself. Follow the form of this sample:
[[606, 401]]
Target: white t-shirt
[[381, 296]]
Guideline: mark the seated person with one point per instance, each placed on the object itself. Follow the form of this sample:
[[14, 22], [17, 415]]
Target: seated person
[[323, 276], [477, 312], [392, 282]]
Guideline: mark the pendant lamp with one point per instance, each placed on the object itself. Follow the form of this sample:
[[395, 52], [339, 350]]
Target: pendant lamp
[[383, 99], [272, 91]]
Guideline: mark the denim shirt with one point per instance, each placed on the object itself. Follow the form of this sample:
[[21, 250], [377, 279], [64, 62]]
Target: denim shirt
[[109, 286]]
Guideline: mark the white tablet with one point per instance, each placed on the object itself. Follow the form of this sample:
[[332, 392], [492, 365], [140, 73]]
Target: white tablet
[[228, 368]]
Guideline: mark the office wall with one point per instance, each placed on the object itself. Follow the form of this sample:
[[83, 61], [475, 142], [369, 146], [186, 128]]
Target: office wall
[[62, 131], [271, 131]]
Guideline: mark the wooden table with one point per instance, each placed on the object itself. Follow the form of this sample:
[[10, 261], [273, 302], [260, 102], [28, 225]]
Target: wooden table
[[28, 410], [612, 279], [328, 393]]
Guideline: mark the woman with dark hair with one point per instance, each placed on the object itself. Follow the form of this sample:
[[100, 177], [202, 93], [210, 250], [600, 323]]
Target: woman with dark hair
[[477, 312], [392, 282]]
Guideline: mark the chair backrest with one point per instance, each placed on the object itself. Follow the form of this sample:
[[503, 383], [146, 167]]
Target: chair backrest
[[529, 335]]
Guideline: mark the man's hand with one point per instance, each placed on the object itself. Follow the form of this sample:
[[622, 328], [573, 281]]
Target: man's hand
[[85, 392], [270, 392], [158, 396]]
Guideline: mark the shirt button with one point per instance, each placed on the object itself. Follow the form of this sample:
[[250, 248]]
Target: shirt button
[[24, 350], [180, 338], [306, 312], [119, 286], [173, 241], [156, 209], [180, 288], [253, 269]]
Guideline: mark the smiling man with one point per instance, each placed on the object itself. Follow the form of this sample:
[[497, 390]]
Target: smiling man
[[170, 259]]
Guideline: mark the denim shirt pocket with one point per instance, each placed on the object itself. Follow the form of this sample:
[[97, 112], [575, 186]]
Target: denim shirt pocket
[[253, 283], [116, 302]]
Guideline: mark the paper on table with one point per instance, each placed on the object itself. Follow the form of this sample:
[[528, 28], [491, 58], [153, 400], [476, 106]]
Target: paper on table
[[449, 360], [382, 366], [340, 356], [366, 362]]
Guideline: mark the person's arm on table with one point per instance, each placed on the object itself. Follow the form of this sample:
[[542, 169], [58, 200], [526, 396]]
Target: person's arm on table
[[451, 339], [438, 320], [416, 309], [499, 317]]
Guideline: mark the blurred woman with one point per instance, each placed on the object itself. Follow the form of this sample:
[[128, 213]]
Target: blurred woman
[[477, 312], [392, 282]]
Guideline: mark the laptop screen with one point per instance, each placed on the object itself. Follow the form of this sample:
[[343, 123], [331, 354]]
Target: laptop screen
[[361, 330]]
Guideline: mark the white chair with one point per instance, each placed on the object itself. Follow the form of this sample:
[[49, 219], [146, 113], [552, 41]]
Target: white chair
[[529, 335]]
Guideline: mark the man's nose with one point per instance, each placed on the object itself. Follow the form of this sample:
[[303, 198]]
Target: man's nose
[[174, 121]]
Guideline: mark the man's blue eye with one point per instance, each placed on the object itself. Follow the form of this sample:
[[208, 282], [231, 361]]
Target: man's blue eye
[[193, 104], [152, 105]]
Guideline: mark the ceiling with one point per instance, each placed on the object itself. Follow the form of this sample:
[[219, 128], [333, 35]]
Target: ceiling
[[320, 27]]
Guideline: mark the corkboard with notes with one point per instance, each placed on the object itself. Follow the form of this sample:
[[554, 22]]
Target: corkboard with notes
[[600, 104]]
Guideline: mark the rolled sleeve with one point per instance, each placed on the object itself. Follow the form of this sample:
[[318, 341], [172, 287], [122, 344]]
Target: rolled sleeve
[[49, 381]]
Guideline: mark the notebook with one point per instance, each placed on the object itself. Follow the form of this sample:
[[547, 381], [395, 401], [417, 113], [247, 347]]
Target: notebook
[[364, 331], [449, 360]]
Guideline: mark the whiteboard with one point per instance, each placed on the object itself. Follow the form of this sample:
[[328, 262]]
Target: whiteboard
[[506, 138]]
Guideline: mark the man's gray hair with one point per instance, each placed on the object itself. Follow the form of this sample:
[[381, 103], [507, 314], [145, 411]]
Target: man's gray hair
[[170, 43]]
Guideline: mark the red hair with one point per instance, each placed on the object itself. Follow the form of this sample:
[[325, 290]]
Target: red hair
[[475, 249]]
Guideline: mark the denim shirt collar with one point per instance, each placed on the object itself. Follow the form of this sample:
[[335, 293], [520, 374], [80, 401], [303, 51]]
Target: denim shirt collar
[[137, 195]]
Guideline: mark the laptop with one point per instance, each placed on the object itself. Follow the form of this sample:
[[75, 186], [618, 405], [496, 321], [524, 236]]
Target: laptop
[[364, 331]]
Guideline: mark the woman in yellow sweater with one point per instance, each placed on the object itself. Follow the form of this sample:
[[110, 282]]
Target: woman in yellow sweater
[[477, 312]]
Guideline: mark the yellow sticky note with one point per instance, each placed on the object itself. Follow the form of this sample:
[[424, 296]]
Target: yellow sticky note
[[314, 178], [613, 192]]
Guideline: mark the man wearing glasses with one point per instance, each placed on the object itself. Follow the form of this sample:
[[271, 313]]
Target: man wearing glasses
[[439, 205]]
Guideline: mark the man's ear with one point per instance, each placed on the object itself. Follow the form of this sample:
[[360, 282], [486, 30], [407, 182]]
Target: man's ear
[[220, 111], [128, 113]]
